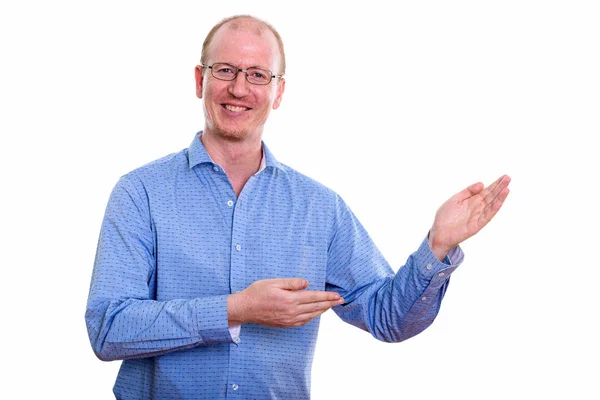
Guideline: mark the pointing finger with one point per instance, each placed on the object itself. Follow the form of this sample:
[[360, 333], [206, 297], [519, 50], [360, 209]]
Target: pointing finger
[[307, 317], [321, 306], [315, 296]]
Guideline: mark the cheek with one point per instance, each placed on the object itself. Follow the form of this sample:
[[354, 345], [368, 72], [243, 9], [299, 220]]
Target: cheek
[[212, 100], [215, 89], [269, 99], [209, 92]]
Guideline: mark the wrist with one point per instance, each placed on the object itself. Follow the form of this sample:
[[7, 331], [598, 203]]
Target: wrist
[[235, 310], [439, 250]]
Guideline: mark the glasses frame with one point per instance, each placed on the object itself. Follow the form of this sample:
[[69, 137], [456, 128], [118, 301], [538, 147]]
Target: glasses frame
[[237, 70]]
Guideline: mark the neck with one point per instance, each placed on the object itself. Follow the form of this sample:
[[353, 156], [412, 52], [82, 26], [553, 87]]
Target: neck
[[240, 159]]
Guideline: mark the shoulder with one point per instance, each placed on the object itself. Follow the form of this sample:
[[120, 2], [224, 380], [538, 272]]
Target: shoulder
[[152, 176], [306, 183], [158, 169]]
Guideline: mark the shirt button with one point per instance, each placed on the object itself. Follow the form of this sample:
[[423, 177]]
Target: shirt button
[[216, 169], [428, 266], [237, 340], [238, 247], [424, 298], [234, 386], [441, 274], [230, 203]]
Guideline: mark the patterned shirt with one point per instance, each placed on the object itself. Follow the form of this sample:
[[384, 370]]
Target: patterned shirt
[[175, 242]]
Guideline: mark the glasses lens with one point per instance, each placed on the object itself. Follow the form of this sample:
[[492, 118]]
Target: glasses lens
[[225, 72], [259, 76]]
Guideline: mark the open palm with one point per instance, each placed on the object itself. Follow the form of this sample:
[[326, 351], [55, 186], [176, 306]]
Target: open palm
[[465, 214]]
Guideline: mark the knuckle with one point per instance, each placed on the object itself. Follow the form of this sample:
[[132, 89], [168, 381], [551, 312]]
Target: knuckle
[[288, 302]]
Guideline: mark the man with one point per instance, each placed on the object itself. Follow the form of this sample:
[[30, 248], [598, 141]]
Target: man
[[214, 263]]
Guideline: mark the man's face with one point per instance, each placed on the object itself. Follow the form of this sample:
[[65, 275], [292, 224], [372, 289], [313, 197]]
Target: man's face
[[236, 110]]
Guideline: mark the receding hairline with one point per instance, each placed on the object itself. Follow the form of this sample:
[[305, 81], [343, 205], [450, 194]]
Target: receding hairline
[[243, 21]]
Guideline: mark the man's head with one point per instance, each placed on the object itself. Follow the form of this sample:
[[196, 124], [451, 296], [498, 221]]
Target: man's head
[[237, 109]]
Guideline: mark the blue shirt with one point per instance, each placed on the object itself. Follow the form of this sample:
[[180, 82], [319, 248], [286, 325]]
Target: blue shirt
[[175, 242]]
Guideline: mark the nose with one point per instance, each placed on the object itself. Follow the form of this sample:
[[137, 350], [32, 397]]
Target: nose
[[239, 86]]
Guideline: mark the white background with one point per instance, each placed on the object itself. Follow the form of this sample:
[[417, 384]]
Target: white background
[[395, 108]]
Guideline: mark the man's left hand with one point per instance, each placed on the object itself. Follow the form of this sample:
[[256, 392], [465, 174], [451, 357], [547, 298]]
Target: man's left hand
[[465, 213]]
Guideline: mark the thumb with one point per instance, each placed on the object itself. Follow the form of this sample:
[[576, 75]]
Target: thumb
[[293, 283], [472, 190]]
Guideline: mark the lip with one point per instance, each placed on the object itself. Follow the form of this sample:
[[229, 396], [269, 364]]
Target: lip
[[237, 108]]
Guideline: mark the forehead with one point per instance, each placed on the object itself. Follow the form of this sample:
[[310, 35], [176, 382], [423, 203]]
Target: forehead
[[246, 43]]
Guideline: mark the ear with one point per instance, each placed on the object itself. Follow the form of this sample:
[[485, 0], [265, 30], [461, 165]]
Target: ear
[[280, 89], [199, 80]]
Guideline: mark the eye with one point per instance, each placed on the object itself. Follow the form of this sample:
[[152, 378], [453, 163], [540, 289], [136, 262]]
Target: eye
[[259, 75], [225, 70]]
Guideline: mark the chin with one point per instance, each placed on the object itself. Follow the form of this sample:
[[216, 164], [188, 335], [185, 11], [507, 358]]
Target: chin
[[232, 134], [236, 133]]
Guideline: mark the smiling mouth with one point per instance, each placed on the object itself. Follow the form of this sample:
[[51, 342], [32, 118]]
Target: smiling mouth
[[234, 108]]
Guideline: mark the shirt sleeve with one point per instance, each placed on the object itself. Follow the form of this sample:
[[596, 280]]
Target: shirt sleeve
[[123, 318], [392, 307]]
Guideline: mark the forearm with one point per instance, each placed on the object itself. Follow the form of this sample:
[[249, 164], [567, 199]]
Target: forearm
[[142, 328], [409, 303], [396, 307]]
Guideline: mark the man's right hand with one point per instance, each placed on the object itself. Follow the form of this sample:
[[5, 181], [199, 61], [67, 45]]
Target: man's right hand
[[279, 302]]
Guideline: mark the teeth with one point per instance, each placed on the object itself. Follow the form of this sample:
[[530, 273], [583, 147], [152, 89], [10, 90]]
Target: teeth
[[234, 108]]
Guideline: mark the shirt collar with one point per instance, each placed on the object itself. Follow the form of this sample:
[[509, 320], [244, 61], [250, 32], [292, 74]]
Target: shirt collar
[[197, 154]]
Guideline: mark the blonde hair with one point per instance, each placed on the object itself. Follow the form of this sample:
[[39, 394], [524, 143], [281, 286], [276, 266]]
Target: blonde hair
[[211, 34]]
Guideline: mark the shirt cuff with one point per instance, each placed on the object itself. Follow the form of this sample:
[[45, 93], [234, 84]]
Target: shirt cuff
[[428, 264], [234, 331], [455, 256]]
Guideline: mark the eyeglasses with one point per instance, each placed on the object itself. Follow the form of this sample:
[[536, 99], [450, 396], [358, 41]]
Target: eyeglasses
[[254, 75]]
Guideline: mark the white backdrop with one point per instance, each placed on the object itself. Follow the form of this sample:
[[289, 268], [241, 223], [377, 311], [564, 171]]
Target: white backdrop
[[395, 108]]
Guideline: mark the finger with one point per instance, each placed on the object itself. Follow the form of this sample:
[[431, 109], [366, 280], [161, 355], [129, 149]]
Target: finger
[[315, 296], [321, 306], [303, 319], [497, 202], [493, 200], [470, 191], [291, 283], [493, 191], [494, 206]]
